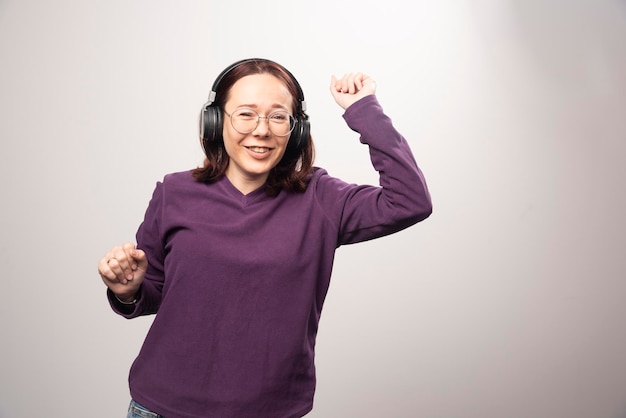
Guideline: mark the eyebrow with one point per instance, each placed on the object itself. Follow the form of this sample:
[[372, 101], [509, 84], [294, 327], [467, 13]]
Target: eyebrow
[[274, 106]]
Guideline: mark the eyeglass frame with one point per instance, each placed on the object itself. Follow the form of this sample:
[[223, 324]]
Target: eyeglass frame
[[259, 117]]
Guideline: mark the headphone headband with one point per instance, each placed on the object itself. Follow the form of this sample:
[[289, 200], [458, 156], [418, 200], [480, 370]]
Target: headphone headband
[[220, 77]]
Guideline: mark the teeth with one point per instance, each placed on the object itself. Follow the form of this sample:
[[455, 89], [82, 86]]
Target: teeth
[[259, 149]]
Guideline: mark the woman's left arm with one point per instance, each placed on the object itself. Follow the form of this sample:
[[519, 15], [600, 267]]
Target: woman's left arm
[[403, 198]]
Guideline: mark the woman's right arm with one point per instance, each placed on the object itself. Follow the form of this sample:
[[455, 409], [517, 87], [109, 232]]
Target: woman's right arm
[[134, 275]]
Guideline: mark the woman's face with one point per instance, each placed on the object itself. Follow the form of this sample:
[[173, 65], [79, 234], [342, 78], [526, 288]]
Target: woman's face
[[254, 154]]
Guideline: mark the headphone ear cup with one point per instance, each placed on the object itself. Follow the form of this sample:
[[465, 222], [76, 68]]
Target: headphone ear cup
[[300, 134], [211, 124]]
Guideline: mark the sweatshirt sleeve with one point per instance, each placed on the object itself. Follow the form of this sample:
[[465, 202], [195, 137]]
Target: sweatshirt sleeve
[[150, 241], [402, 199]]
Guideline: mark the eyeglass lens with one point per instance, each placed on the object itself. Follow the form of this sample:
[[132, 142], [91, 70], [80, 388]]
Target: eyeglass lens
[[245, 120]]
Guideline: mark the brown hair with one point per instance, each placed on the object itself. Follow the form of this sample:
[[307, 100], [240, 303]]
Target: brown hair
[[292, 171]]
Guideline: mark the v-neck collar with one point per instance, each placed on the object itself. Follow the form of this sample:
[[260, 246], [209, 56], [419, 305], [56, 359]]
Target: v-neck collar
[[244, 200]]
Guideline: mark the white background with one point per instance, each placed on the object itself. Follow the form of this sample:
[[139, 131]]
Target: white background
[[507, 302]]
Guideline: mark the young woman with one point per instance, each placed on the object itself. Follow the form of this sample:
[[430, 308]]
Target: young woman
[[235, 257]]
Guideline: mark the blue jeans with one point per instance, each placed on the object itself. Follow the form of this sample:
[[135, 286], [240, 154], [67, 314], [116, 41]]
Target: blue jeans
[[137, 411]]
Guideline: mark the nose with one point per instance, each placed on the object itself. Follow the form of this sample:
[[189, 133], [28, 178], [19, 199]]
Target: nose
[[262, 127]]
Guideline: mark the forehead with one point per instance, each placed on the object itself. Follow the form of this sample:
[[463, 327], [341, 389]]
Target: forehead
[[260, 90]]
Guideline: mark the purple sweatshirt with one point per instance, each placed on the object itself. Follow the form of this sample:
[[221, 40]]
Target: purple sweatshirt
[[238, 281]]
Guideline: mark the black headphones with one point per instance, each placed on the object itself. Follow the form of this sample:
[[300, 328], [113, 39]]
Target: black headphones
[[212, 123]]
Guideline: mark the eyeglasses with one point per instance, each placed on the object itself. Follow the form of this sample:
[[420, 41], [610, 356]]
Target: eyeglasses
[[245, 120]]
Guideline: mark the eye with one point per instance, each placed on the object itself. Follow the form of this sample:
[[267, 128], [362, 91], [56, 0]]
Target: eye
[[279, 117], [245, 114]]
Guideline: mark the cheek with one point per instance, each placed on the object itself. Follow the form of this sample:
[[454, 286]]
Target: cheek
[[284, 141], [227, 131], [231, 138], [283, 146]]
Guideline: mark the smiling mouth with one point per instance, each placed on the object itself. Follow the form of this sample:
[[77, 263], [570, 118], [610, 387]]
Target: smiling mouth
[[259, 150]]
